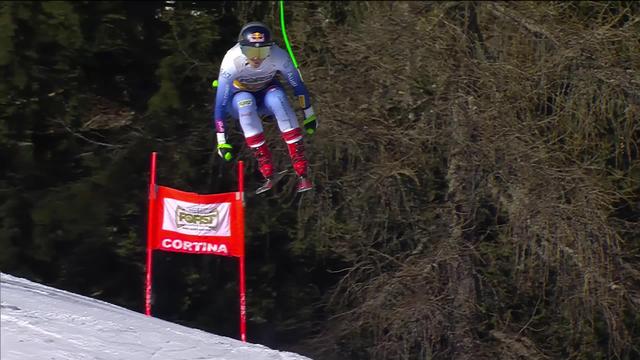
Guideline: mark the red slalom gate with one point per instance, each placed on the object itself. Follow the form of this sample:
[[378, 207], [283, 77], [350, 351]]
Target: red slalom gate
[[191, 223]]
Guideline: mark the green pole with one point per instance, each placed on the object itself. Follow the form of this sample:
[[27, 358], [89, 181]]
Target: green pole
[[284, 34]]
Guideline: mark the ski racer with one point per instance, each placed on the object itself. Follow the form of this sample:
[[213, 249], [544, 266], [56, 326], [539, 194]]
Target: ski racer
[[248, 89]]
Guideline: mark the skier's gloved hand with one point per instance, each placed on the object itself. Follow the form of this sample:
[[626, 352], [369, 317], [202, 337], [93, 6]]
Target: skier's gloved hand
[[224, 150], [310, 121]]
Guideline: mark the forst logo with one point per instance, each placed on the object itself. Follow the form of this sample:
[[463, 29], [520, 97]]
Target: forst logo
[[197, 218]]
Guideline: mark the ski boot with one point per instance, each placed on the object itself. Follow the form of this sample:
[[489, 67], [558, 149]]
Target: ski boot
[[295, 145], [304, 184]]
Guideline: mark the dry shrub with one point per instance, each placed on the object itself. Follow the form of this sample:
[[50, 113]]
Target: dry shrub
[[459, 138]]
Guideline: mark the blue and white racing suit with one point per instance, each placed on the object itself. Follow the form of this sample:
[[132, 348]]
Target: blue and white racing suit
[[247, 93]]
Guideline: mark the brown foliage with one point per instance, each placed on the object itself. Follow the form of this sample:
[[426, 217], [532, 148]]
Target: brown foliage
[[472, 156]]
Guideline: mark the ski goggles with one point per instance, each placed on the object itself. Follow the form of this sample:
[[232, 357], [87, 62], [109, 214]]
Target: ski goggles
[[256, 52]]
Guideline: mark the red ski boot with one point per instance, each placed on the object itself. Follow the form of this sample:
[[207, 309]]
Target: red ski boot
[[304, 184], [262, 153], [295, 144]]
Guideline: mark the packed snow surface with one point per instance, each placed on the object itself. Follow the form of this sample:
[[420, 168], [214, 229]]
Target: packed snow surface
[[43, 323]]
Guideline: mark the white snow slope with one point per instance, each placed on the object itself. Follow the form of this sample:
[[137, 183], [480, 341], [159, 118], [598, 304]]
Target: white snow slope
[[42, 323]]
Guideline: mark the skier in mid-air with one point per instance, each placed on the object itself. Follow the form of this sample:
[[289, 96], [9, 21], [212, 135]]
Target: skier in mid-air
[[248, 89]]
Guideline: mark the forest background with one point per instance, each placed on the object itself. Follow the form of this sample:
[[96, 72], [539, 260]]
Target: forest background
[[476, 169]]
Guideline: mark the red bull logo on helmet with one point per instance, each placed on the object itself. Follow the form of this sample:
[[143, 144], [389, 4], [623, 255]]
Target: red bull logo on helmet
[[256, 37]]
